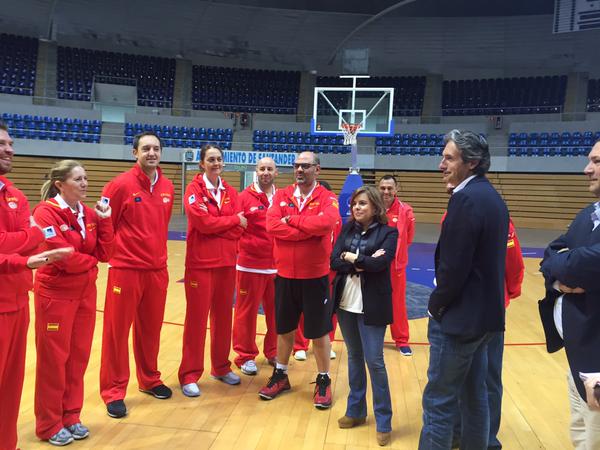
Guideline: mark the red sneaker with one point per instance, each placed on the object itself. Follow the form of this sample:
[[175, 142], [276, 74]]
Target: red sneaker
[[278, 383], [322, 395]]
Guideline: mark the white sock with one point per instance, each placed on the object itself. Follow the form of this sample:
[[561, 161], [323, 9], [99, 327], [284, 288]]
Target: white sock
[[282, 367], [324, 373]]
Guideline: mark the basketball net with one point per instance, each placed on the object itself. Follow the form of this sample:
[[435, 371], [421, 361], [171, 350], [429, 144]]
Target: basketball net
[[350, 131]]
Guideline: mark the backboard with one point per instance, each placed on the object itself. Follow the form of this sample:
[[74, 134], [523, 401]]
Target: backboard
[[371, 107]]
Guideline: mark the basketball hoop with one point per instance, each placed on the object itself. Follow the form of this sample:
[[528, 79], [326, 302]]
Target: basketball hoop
[[350, 131]]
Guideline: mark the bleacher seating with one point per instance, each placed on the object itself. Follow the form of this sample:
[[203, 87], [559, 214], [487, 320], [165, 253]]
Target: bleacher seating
[[181, 136], [18, 61], [410, 144], [593, 97], [297, 141], [525, 95], [245, 90], [26, 126], [408, 92], [76, 68], [551, 143]]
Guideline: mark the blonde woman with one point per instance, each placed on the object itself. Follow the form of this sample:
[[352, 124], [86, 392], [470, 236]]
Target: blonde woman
[[65, 300]]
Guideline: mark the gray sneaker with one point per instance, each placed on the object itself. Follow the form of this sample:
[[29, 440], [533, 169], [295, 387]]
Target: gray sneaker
[[79, 431], [63, 437], [229, 378]]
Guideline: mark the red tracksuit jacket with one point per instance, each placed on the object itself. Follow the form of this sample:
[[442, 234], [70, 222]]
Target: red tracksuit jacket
[[401, 216], [16, 237], [256, 245], [140, 219], [12, 263], [73, 277], [212, 232], [303, 245], [515, 268]]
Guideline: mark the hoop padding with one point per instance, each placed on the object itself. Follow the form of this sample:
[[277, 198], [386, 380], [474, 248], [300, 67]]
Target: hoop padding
[[350, 131]]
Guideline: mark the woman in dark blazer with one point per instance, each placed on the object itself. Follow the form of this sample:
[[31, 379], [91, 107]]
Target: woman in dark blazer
[[362, 291]]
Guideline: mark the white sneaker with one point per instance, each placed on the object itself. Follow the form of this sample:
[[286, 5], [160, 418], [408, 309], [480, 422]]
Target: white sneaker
[[332, 354], [300, 355], [190, 390], [249, 368]]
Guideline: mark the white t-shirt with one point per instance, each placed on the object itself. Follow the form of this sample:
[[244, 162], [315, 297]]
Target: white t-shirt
[[352, 295]]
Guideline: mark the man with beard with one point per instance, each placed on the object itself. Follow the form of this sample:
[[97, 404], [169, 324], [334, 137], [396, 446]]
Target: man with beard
[[301, 220]]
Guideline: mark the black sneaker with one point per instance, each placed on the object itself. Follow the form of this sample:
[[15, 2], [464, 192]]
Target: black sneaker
[[116, 409], [161, 392]]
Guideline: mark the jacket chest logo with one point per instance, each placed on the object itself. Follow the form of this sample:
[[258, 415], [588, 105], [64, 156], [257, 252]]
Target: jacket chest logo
[[13, 202], [90, 226], [166, 197]]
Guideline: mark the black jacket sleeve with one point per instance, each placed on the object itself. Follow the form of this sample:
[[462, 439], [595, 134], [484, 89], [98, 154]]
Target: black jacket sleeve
[[388, 243]]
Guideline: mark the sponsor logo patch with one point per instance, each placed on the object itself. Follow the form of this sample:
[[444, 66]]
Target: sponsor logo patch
[[64, 227], [282, 204], [191, 199], [49, 232], [12, 205]]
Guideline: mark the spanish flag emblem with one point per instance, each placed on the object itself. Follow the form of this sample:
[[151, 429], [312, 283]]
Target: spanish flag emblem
[[194, 284], [52, 326], [243, 291], [510, 243], [116, 290]]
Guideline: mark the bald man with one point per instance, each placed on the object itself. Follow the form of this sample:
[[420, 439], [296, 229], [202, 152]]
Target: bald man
[[255, 272], [301, 220]]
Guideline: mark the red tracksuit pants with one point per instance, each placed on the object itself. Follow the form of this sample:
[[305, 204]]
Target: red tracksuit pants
[[132, 297], [64, 330], [399, 328], [13, 342], [301, 343], [252, 290], [207, 290]]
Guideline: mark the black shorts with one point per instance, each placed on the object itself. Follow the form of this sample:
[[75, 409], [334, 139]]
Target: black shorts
[[311, 297]]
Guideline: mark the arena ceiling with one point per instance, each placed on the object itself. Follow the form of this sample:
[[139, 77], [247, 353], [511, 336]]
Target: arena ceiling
[[301, 34]]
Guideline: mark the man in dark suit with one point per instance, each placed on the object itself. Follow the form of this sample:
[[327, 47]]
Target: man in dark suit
[[571, 309], [467, 306]]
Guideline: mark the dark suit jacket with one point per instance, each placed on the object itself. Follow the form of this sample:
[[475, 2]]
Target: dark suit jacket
[[469, 262], [578, 267], [376, 285]]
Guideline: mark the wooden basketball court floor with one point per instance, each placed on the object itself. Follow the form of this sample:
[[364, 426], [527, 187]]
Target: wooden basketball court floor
[[534, 416]]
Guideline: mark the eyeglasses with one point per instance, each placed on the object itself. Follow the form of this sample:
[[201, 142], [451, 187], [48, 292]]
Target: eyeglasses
[[304, 166]]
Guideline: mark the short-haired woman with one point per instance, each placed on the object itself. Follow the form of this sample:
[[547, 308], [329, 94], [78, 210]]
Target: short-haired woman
[[362, 291]]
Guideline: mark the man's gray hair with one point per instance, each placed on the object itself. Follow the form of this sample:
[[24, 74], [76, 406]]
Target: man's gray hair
[[472, 147]]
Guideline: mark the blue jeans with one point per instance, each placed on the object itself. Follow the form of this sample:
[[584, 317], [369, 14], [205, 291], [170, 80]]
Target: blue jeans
[[495, 351], [365, 343], [457, 369]]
